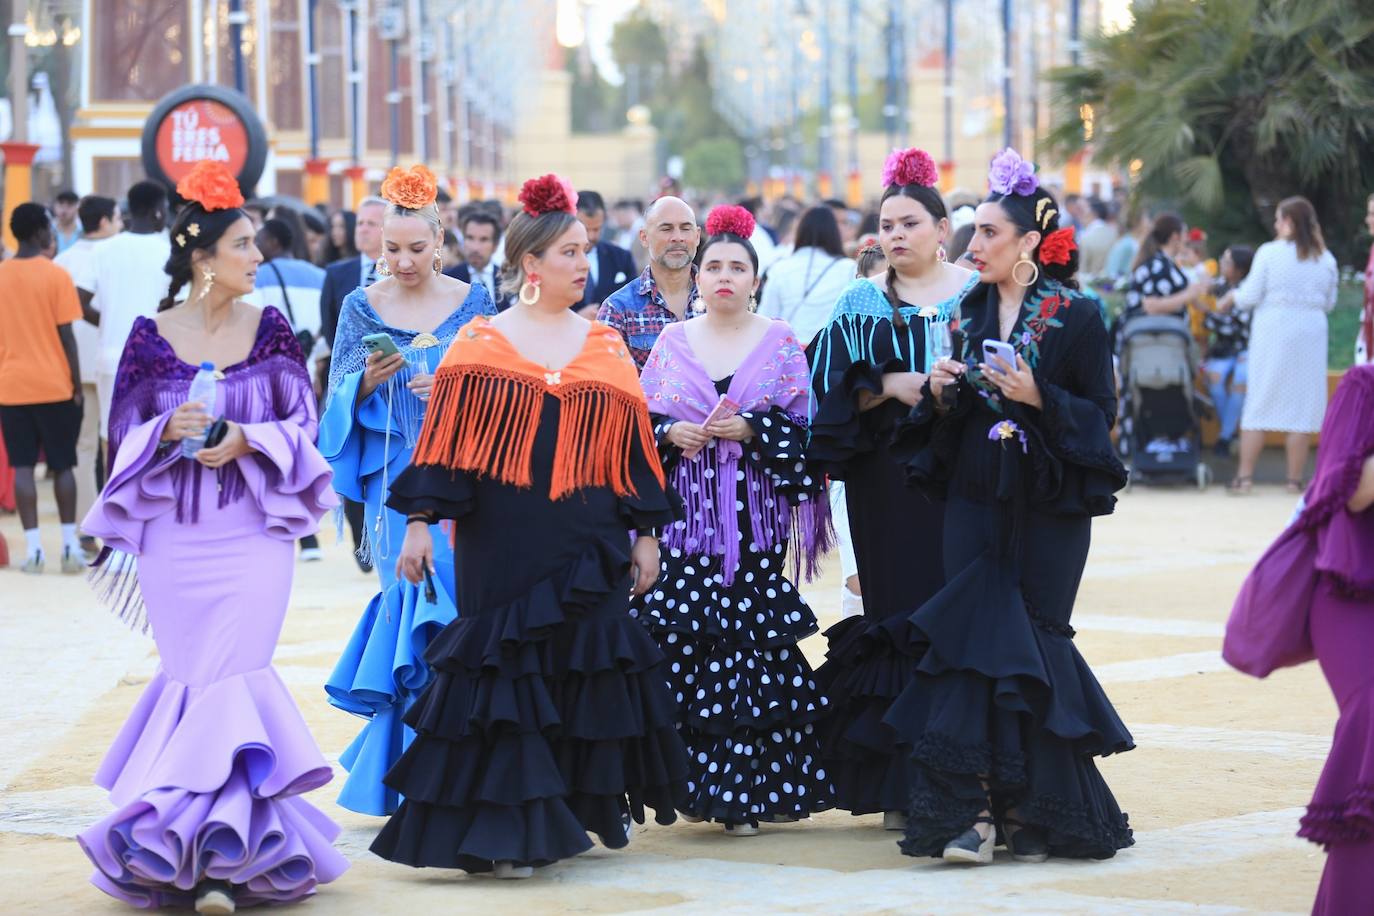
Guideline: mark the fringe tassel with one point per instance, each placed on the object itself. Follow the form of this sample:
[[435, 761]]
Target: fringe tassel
[[114, 579], [482, 419], [595, 433], [813, 535]]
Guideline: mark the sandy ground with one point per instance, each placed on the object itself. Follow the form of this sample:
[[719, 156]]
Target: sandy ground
[[1214, 790]]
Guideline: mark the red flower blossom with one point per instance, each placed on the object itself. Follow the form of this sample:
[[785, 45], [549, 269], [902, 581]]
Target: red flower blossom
[[730, 219], [1057, 246], [548, 194], [210, 184], [910, 166], [1049, 306]]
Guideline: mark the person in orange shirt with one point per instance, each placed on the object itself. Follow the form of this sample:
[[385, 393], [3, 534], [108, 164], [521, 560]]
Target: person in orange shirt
[[40, 380]]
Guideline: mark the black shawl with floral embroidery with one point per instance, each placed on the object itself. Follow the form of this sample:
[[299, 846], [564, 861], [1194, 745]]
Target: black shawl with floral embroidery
[[1057, 459]]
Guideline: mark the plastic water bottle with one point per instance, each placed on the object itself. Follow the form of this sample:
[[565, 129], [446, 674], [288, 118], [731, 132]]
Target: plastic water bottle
[[202, 391]]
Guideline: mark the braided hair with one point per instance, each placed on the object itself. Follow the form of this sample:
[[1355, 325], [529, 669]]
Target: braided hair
[[934, 204], [194, 229]]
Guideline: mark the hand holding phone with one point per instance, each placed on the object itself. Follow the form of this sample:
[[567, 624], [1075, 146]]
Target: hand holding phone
[[1003, 351], [380, 343]]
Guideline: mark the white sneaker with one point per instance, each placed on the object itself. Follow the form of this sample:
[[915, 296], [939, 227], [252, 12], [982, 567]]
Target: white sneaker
[[312, 555], [73, 562], [509, 870], [33, 564]]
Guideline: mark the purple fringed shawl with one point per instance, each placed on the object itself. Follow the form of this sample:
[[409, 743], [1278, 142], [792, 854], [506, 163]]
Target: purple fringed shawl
[[774, 375], [270, 385]]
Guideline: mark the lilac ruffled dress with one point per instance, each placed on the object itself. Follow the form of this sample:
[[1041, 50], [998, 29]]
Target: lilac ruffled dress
[[207, 772]]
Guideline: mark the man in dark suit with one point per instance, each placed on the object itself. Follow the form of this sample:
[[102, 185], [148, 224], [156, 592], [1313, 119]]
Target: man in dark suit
[[611, 266], [340, 279], [480, 231]]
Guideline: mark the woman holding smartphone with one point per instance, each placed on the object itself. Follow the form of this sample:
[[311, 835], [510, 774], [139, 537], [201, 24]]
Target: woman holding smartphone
[[390, 339], [727, 395], [1004, 716], [868, 368], [208, 773]]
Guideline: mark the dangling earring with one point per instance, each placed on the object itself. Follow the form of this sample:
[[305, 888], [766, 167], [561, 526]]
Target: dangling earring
[[532, 298], [208, 276], [753, 303], [438, 263], [940, 254], [383, 267], [1035, 270]]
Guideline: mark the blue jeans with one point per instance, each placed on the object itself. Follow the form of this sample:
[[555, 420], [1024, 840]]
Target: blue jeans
[[1226, 385]]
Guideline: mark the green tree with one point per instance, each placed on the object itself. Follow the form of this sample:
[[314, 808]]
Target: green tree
[[1234, 104], [716, 164]]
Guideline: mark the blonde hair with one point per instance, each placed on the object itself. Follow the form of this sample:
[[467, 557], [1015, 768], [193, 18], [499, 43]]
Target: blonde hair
[[429, 213], [530, 235]]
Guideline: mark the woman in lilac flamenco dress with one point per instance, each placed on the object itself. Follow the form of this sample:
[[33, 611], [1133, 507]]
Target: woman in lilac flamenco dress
[[207, 773]]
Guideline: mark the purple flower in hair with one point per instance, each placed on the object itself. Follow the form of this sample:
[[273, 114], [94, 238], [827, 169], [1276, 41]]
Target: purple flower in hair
[[1010, 174]]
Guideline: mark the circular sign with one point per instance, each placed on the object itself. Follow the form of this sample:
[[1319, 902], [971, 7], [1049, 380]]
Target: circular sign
[[204, 122]]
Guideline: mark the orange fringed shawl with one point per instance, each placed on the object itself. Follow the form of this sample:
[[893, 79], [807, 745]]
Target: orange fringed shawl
[[487, 401]]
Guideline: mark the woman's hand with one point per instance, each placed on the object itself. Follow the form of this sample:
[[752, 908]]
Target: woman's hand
[[233, 446], [377, 370], [417, 553], [187, 421], [644, 563], [1015, 384], [688, 436], [736, 429], [945, 374], [421, 384], [904, 386]]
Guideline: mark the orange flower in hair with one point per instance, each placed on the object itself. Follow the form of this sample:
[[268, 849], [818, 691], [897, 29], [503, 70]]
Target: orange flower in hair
[[413, 189], [212, 185]]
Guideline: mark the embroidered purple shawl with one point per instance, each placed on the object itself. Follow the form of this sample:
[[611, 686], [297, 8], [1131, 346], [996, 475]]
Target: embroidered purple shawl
[[152, 380], [774, 375]]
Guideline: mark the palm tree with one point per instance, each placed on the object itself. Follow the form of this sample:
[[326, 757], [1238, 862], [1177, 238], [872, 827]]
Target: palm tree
[[1223, 101]]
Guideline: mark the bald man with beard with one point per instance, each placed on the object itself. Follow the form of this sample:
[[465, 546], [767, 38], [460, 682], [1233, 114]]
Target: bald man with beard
[[665, 291]]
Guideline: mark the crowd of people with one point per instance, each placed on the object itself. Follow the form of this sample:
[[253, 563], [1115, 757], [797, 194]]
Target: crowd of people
[[589, 453]]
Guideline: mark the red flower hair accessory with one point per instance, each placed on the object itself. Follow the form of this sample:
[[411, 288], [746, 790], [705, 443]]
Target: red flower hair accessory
[[910, 166], [411, 189], [548, 194], [212, 185], [729, 219], [1056, 247], [1196, 235]]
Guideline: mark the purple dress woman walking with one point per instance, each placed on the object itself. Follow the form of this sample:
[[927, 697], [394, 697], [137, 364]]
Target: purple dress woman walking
[[1341, 813], [207, 772]]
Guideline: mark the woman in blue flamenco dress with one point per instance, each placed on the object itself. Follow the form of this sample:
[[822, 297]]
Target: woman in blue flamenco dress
[[368, 431]]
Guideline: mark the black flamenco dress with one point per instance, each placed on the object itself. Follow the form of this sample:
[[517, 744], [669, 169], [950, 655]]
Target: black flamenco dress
[[1001, 692], [548, 717], [748, 697], [896, 533]]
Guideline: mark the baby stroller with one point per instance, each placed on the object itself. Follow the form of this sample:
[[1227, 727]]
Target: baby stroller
[[1161, 407]]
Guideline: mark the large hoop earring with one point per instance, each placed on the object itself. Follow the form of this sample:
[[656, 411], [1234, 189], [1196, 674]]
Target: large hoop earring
[[383, 267], [1035, 270], [532, 299], [208, 276], [940, 254], [438, 263]]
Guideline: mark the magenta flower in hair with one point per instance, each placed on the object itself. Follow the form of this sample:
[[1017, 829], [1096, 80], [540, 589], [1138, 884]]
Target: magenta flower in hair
[[1010, 174], [910, 166], [730, 219]]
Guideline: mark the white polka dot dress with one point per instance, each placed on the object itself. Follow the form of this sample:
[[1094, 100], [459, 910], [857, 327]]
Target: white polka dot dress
[[748, 698], [1286, 389]]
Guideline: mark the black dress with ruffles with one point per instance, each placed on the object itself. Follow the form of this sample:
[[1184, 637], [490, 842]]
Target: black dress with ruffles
[[1001, 693], [548, 716], [895, 531]]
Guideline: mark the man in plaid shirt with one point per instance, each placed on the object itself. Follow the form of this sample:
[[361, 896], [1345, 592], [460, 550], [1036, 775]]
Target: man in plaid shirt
[[665, 291]]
